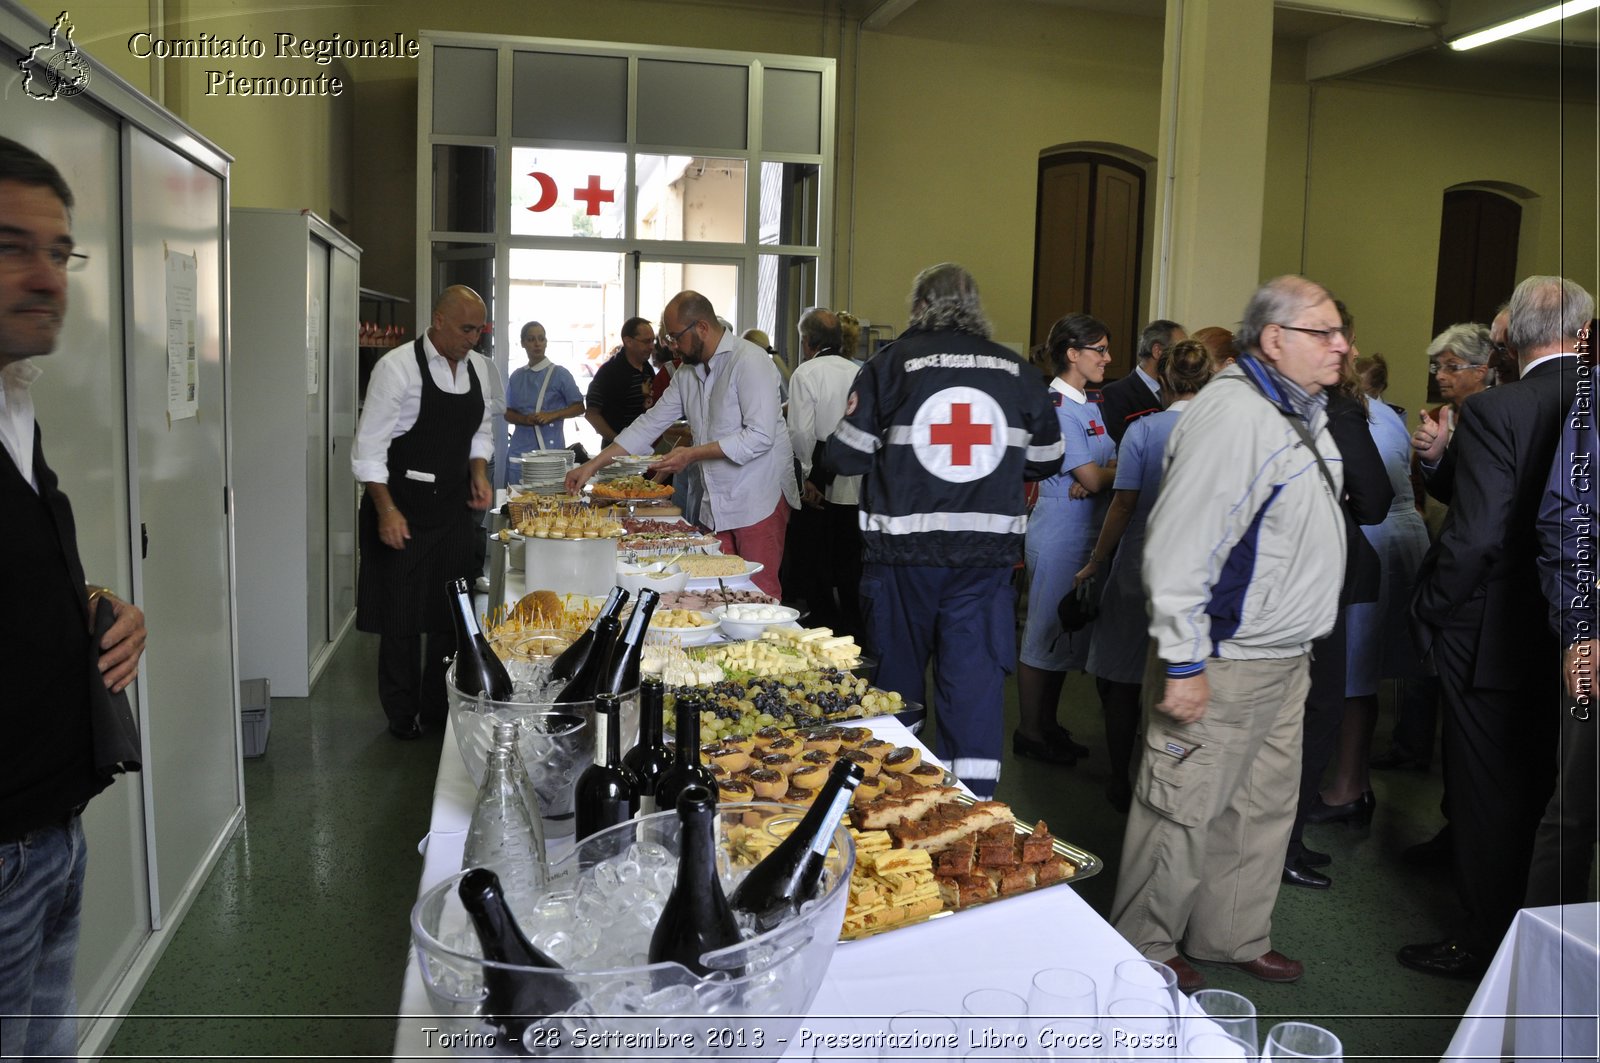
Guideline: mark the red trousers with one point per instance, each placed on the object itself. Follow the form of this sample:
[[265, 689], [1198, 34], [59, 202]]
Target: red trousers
[[763, 542]]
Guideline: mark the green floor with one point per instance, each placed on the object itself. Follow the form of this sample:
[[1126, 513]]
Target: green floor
[[295, 946]]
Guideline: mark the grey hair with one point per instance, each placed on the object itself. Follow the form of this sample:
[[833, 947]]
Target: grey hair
[[1545, 311], [819, 328], [946, 297], [1275, 301], [1468, 341], [1158, 331]]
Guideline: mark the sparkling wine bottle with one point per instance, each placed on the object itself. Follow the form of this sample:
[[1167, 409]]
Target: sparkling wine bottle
[[650, 758], [514, 999], [696, 918], [788, 877], [686, 768], [604, 795], [622, 672], [508, 736], [566, 666], [583, 686], [478, 667], [501, 837]]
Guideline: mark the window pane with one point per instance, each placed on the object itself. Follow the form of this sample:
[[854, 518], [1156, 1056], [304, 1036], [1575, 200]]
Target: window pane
[[567, 193], [791, 112], [693, 104], [690, 197], [464, 92], [785, 286], [789, 208], [463, 189], [717, 281], [569, 97]]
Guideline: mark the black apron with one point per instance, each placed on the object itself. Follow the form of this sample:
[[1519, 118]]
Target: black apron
[[402, 592]]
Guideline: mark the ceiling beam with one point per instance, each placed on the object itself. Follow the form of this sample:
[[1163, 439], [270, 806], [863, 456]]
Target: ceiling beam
[[885, 13], [1398, 12], [1351, 49]]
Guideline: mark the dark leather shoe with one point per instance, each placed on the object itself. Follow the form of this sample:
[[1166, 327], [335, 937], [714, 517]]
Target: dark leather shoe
[[1189, 979], [1447, 959], [1312, 858], [1061, 738], [1297, 873], [1357, 813], [1437, 851], [1049, 752], [407, 731], [1272, 966]]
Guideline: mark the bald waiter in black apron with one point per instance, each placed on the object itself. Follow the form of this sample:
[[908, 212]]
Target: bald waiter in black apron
[[422, 452]]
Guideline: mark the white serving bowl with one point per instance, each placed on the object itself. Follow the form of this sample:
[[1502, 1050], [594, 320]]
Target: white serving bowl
[[738, 626], [656, 576]]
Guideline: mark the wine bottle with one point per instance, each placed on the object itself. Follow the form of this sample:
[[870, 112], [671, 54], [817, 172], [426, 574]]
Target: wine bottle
[[622, 672], [566, 666], [514, 999], [696, 918], [501, 836], [604, 795], [788, 877], [582, 686], [650, 758], [686, 768], [478, 667]]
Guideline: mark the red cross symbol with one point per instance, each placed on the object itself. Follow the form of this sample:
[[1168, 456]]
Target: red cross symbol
[[960, 434], [594, 195]]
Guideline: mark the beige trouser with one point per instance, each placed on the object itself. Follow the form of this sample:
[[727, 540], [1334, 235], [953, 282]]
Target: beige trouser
[[1203, 855]]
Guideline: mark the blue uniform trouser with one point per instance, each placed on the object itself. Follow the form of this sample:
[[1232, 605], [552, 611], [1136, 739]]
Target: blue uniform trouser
[[964, 619]]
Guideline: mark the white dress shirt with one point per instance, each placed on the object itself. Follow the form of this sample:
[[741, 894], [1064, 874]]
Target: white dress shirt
[[818, 391], [16, 415], [394, 399], [731, 400]]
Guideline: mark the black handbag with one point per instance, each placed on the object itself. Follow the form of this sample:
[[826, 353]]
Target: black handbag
[[111, 721], [1079, 606]]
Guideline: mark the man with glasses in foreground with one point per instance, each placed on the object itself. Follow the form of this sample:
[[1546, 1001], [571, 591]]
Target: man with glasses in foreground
[[52, 667], [727, 389], [1243, 561]]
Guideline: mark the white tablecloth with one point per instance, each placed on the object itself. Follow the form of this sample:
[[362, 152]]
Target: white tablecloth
[[931, 966], [1541, 995]]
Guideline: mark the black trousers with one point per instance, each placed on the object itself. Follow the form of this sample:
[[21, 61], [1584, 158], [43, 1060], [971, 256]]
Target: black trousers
[[843, 528], [1563, 845], [411, 681], [1324, 713], [1119, 703], [1501, 746]]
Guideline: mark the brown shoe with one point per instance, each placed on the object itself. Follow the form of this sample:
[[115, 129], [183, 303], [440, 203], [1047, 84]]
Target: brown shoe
[[1189, 979], [1272, 966]]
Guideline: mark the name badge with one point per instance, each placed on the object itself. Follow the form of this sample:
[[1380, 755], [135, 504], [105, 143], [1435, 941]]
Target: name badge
[[425, 477]]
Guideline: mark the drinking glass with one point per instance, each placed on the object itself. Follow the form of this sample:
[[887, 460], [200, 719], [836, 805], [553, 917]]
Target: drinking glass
[[1147, 980], [1232, 1012], [1061, 1008], [1301, 1040], [998, 1010], [1217, 1046], [935, 1037], [1139, 1028]]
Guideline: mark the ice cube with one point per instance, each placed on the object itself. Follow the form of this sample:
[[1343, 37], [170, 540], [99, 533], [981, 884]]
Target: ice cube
[[671, 1000]]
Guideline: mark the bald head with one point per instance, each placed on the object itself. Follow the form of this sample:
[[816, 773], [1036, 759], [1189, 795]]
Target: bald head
[[458, 317], [690, 327], [820, 330]]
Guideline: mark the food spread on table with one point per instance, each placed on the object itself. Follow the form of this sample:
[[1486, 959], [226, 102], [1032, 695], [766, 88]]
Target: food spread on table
[[740, 707], [707, 566], [631, 487], [646, 536]]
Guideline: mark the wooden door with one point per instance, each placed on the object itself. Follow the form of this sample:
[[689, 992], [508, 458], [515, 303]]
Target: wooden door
[[1477, 256]]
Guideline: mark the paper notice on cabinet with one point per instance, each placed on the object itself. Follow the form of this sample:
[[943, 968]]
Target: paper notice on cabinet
[[183, 362], [314, 347]]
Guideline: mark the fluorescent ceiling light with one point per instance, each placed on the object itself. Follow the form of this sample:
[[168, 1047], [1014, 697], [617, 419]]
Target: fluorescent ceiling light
[[1554, 13]]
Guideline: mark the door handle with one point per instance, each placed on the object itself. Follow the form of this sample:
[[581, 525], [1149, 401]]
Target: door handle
[[144, 541]]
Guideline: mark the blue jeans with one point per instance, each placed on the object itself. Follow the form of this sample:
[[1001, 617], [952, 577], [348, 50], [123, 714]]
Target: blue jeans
[[41, 895]]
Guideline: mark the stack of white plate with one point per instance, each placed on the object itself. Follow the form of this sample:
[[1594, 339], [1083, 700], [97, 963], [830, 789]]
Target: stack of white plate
[[544, 470], [627, 465]]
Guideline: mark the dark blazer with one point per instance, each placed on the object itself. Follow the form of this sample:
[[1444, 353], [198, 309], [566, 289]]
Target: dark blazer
[[1124, 402], [1367, 496], [1482, 575]]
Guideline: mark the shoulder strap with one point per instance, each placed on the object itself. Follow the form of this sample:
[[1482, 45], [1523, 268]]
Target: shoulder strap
[[1305, 435]]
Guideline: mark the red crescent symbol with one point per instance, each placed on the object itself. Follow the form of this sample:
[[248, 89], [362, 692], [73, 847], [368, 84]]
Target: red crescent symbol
[[547, 191]]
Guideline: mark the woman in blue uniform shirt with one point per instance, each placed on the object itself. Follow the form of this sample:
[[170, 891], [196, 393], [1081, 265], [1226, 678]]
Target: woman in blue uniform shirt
[[1061, 532]]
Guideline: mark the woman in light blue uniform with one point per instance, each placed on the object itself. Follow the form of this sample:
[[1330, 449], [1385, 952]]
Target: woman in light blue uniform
[[1119, 647], [1061, 532]]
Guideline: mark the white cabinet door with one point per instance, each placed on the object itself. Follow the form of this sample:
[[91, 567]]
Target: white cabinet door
[[344, 305]]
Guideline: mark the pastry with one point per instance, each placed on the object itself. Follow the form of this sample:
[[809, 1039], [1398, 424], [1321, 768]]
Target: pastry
[[769, 785], [853, 737], [734, 789], [800, 795], [817, 756], [901, 760], [826, 740], [868, 789], [780, 762], [877, 747], [768, 735], [729, 758], [787, 744], [808, 775]]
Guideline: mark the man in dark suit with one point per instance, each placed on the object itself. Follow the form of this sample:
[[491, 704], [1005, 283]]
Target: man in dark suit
[[1139, 393], [1479, 612]]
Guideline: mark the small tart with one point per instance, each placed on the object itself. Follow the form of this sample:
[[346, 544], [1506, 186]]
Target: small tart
[[902, 760], [808, 775], [731, 789], [767, 735], [868, 762], [826, 739], [767, 783], [744, 743], [709, 750], [800, 795], [877, 747], [787, 744], [782, 762], [718, 771], [730, 759], [869, 789], [854, 737], [927, 774], [817, 756]]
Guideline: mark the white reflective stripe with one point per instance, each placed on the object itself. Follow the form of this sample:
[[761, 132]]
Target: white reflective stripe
[[856, 439], [904, 435], [975, 768], [997, 523], [1054, 450]]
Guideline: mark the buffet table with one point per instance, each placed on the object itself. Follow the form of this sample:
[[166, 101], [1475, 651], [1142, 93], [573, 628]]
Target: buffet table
[[1540, 997], [929, 966]]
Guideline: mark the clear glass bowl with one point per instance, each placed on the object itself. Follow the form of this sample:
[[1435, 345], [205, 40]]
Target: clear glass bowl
[[764, 985]]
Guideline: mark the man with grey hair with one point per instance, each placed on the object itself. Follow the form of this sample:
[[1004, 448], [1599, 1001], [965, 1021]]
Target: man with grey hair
[[1243, 562], [1479, 612], [947, 425], [1139, 393]]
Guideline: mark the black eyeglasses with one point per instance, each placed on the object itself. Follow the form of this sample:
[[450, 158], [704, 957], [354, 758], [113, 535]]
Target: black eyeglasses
[[1435, 368], [1325, 334], [16, 253], [1098, 348], [671, 338]]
